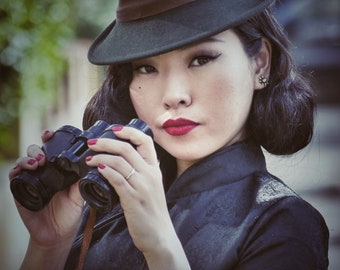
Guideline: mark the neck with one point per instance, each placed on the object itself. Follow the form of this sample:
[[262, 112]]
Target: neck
[[182, 165]]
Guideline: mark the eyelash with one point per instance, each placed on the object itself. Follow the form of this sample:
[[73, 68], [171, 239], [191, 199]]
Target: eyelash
[[206, 57], [139, 69]]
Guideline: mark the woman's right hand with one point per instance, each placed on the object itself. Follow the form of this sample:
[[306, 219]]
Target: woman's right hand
[[57, 223]]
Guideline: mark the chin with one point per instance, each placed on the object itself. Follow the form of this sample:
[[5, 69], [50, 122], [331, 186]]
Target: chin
[[191, 154]]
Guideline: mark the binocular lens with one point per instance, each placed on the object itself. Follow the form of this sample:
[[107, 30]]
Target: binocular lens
[[28, 193], [96, 195], [96, 192]]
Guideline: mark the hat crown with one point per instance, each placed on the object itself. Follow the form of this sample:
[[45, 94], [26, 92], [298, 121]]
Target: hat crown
[[129, 10]]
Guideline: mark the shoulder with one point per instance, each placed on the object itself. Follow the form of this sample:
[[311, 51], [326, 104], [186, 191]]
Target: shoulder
[[287, 230], [282, 206], [271, 189]]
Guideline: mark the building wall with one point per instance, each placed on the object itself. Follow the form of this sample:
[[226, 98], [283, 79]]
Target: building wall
[[80, 82], [66, 108]]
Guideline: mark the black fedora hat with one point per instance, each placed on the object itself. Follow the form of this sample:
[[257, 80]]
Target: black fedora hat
[[145, 28]]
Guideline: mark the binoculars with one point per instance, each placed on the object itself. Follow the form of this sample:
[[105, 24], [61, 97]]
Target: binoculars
[[65, 164]]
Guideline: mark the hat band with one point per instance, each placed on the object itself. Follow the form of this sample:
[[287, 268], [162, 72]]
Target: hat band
[[130, 10]]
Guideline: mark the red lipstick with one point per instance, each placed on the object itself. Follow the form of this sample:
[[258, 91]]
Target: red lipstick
[[179, 127]]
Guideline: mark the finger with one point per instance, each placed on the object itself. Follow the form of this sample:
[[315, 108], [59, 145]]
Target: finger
[[46, 135], [119, 183], [27, 163], [119, 148], [117, 163], [143, 143], [14, 171], [23, 163], [138, 179], [37, 153]]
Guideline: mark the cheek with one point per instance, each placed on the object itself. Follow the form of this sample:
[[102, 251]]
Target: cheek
[[230, 98], [221, 92], [142, 103], [137, 99]]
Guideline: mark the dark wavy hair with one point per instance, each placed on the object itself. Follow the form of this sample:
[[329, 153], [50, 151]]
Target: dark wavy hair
[[281, 117]]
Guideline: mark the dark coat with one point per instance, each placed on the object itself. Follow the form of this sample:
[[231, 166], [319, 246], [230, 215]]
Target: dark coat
[[229, 213]]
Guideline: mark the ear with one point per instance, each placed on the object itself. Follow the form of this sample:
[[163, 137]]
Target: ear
[[262, 62]]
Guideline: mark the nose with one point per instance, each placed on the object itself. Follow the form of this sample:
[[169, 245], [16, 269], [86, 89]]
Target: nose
[[177, 92]]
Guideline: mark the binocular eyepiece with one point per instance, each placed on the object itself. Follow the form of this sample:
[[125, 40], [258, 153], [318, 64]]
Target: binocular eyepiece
[[65, 164]]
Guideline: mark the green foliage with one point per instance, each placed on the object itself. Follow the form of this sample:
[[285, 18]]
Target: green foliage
[[93, 16], [33, 36], [33, 41], [36, 32]]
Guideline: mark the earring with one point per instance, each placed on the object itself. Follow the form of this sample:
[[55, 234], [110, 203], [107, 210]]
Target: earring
[[264, 80]]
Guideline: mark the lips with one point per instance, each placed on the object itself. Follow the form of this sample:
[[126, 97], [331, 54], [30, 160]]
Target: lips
[[179, 127]]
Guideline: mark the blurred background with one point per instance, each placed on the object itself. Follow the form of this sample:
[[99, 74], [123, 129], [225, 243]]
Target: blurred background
[[46, 80]]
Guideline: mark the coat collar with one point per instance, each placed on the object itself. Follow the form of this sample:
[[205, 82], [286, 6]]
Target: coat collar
[[223, 167]]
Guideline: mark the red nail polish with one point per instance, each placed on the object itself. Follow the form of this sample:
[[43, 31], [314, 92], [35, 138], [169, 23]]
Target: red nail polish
[[46, 132], [117, 128], [88, 158], [31, 161], [101, 166], [39, 157], [92, 141], [16, 167]]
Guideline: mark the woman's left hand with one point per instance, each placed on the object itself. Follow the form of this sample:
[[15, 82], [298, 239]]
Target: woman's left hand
[[141, 193]]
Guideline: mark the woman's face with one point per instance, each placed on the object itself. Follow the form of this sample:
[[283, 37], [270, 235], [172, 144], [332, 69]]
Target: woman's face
[[196, 99]]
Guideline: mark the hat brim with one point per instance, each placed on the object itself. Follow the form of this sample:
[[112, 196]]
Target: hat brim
[[127, 41]]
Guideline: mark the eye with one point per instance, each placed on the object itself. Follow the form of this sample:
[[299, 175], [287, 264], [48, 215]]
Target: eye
[[145, 69], [203, 59]]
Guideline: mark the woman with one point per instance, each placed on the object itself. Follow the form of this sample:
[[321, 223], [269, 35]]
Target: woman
[[213, 91]]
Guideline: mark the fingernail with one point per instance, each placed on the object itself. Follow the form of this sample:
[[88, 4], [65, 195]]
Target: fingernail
[[31, 161], [39, 157], [101, 166], [46, 132], [117, 128], [88, 158], [16, 167], [92, 141]]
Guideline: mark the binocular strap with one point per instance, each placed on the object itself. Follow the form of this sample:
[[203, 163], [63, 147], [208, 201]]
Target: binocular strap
[[87, 236]]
